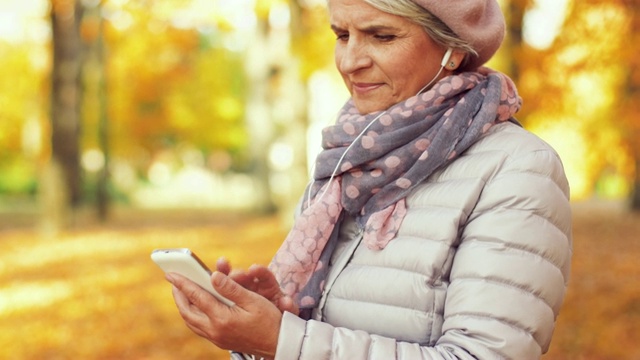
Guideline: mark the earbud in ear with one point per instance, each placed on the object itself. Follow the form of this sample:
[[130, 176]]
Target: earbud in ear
[[446, 57], [443, 63]]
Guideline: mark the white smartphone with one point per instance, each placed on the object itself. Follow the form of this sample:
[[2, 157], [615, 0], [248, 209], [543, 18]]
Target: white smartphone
[[184, 262]]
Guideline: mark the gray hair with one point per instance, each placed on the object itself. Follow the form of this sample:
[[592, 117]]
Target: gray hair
[[434, 27]]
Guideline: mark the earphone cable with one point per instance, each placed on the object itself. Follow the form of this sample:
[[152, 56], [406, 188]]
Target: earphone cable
[[335, 170]]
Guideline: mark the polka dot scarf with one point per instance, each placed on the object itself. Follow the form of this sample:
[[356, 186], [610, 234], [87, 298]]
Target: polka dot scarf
[[370, 163]]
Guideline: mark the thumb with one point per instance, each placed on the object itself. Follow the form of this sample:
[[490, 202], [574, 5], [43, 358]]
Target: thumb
[[229, 289]]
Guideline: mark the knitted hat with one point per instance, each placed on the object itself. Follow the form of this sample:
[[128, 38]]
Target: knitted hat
[[478, 22]]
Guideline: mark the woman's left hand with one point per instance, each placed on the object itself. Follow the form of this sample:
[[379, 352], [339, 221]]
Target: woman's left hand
[[251, 326], [261, 280]]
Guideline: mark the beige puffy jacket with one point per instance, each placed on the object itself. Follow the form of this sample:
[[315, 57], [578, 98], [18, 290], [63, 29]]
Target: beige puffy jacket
[[478, 270]]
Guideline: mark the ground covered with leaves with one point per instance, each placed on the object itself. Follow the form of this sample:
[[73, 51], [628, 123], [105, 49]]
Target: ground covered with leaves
[[93, 293]]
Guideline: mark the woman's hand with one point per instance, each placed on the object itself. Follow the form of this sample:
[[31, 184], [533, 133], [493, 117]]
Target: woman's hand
[[261, 280], [251, 326]]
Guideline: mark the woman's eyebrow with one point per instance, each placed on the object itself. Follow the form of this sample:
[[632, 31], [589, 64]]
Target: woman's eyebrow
[[370, 29]]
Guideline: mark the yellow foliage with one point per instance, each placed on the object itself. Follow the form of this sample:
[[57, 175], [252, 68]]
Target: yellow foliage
[[93, 293], [263, 7], [228, 108], [170, 81], [313, 42], [19, 91], [571, 97]]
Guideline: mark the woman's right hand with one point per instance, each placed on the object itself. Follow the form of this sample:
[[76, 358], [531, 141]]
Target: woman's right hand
[[261, 280]]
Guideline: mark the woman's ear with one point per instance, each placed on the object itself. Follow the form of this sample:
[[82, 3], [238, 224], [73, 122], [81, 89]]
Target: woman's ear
[[455, 60]]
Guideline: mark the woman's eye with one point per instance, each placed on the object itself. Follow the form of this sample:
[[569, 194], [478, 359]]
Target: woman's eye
[[385, 37], [342, 37]]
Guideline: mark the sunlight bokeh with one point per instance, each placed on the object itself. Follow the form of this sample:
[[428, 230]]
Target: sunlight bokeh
[[28, 296], [543, 22], [572, 148], [24, 21]]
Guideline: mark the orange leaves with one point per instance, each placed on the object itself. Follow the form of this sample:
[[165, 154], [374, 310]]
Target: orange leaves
[[603, 300], [95, 294], [572, 96]]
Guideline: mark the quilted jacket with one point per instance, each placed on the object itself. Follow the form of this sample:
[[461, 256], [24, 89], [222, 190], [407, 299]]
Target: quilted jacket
[[478, 269]]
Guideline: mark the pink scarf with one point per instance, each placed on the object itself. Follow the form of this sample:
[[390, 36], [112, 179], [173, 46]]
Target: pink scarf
[[370, 163]]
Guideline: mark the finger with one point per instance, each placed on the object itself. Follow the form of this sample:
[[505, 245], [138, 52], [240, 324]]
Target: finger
[[223, 265], [189, 296], [183, 304], [231, 289], [266, 281], [262, 274], [243, 278], [286, 303]]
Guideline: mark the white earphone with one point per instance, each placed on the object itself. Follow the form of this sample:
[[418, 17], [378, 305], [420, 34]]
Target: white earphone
[[446, 57], [443, 63]]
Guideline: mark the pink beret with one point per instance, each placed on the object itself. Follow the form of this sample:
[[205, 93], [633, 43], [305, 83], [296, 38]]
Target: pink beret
[[478, 22]]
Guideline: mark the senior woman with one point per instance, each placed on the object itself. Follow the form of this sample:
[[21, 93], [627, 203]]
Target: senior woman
[[435, 227]]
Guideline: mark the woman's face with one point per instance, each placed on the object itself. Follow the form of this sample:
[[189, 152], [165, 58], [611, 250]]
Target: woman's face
[[383, 58]]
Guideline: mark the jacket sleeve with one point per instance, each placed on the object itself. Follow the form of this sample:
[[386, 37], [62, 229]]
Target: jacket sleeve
[[311, 339], [507, 281], [511, 269]]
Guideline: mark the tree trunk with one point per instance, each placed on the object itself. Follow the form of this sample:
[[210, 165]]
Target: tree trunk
[[102, 186], [513, 41], [65, 103], [630, 106], [635, 193]]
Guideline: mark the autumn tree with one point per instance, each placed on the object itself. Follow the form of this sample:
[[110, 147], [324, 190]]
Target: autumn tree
[[597, 64], [514, 43], [630, 94], [171, 84], [63, 175], [569, 91], [95, 117]]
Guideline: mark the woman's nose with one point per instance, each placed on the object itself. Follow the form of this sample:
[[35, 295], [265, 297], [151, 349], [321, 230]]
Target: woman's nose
[[354, 57]]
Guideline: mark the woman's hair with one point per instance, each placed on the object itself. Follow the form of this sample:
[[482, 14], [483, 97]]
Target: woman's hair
[[434, 27]]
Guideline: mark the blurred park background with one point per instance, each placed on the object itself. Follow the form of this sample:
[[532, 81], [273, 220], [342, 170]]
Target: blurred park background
[[128, 125]]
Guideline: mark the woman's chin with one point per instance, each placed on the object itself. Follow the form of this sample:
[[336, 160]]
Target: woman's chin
[[368, 107]]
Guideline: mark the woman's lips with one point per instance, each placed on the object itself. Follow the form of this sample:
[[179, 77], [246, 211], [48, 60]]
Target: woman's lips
[[362, 88]]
